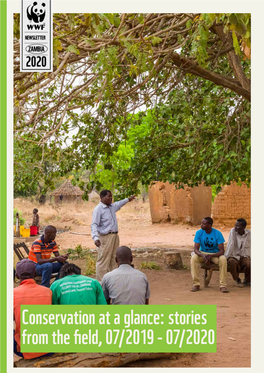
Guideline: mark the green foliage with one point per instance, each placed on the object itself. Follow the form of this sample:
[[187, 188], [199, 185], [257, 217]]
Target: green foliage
[[80, 253], [236, 43], [76, 253], [197, 135], [188, 131], [238, 23], [150, 265], [36, 167], [199, 44], [17, 25], [90, 264], [71, 253], [155, 40], [107, 169], [21, 219], [57, 46], [215, 190], [79, 250]]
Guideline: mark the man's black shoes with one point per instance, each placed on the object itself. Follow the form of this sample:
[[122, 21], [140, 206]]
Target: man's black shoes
[[239, 283]]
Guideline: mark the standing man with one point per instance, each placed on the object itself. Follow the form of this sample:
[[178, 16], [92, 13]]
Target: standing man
[[40, 253], [208, 247], [105, 231], [238, 252], [125, 284]]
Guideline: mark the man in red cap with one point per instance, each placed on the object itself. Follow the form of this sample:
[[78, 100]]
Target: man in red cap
[[28, 292]]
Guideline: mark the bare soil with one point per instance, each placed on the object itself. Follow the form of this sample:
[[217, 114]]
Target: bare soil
[[167, 286]]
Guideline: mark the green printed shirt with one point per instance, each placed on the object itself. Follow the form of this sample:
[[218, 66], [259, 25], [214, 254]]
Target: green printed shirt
[[77, 289]]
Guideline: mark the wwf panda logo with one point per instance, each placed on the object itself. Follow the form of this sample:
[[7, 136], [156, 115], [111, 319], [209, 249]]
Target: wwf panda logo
[[36, 12], [209, 242]]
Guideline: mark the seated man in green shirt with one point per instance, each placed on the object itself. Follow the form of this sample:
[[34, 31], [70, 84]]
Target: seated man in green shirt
[[73, 288]]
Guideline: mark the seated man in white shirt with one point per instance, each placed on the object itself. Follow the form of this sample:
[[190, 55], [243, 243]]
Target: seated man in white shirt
[[125, 284], [238, 252]]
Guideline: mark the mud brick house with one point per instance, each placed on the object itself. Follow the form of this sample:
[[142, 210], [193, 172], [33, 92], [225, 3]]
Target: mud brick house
[[188, 205], [191, 205]]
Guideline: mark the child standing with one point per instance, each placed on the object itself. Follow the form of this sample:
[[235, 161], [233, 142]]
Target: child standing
[[35, 222]]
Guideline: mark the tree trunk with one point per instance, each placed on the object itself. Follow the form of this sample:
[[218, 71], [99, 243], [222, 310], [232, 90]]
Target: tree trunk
[[173, 260], [90, 360], [188, 66], [42, 199], [233, 58]]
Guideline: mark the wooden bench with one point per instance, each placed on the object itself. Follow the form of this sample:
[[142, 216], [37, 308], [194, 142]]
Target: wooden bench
[[208, 271], [20, 255], [18, 252]]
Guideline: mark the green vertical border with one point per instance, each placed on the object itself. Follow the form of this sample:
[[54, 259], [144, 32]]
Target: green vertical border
[[3, 187]]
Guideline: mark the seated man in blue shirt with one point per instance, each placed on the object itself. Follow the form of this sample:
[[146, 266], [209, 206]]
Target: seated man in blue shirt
[[208, 247]]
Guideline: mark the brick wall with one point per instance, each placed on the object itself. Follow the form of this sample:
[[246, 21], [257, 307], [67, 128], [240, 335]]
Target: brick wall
[[159, 196], [232, 203], [181, 205], [188, 205], [202, 203]]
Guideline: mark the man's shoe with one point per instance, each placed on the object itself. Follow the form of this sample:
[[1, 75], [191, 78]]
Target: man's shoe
[[223, 289], [246, 283], [195, 288], [239, 283]]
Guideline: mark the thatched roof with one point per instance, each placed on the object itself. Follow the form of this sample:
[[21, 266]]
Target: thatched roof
[[67, 189]]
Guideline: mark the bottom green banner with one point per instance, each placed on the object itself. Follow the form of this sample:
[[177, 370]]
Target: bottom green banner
[[126, 328]]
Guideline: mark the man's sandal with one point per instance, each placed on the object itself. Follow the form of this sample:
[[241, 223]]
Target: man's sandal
[[195, 288], [223, 289]]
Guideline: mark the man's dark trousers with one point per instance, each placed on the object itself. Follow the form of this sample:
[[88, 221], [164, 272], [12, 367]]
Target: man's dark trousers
[[45, 270], [243, 265]]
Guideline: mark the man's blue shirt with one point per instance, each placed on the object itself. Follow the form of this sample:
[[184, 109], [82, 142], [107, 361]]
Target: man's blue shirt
[[209, 241]]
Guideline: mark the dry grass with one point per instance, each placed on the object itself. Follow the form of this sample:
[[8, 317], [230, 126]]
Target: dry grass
[[150, 265], [76, 214]]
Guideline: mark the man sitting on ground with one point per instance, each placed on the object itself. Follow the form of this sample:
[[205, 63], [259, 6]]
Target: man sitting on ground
[[208, 247], [125, 285], [73, 288], [238, 252], [28, 292], [40, 253]]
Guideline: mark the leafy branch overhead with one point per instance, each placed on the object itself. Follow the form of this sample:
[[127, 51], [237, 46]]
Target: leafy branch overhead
[[131, 58], [109, 66]]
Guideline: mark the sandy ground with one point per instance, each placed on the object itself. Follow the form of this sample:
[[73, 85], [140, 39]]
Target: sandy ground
[[134, 224], [167, 286], [233, 318]]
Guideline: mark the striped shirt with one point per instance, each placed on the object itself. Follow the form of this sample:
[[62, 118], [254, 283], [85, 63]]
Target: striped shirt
[[39, 246]]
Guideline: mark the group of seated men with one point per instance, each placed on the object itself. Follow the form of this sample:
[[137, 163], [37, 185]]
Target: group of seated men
[[125, 284], [209, 247]]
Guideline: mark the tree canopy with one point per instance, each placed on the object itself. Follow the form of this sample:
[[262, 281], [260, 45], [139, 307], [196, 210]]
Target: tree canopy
[[180, 82]]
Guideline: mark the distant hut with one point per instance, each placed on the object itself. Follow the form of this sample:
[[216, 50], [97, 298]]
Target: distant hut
[[67, 193]]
